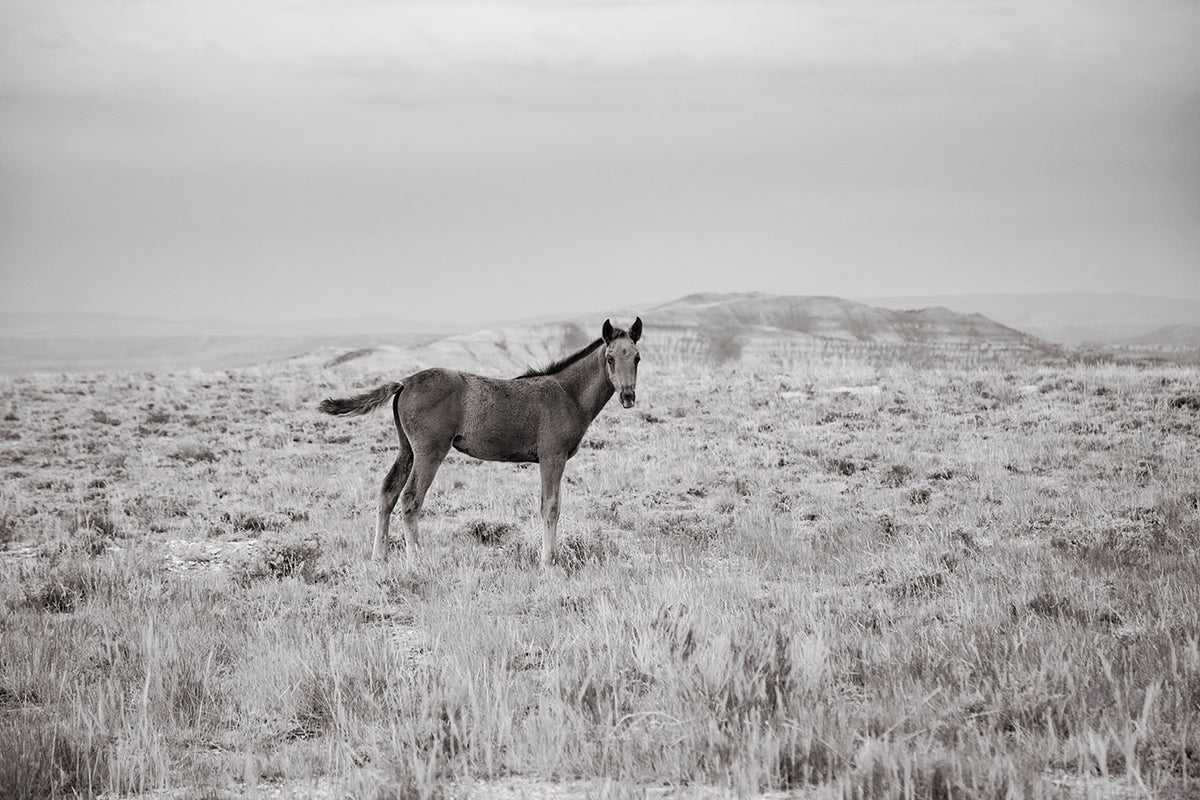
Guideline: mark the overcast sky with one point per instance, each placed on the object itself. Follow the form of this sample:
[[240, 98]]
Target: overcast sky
[[473, 161]]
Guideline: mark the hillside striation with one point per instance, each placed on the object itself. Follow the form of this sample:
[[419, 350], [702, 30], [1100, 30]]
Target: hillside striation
[[754, 328]]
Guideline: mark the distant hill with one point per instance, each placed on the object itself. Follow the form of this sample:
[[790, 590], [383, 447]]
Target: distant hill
[[835, 319], [764, 328], [1069, 318], [754, 328], [704, 328], [1178, 337], [70, 342], [142, 352]]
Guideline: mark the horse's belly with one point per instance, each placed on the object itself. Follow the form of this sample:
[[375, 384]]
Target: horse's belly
[[490, 449]]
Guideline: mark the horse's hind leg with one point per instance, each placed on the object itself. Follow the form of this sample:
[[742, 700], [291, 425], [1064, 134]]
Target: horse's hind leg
[[426, 460], [388, 495]]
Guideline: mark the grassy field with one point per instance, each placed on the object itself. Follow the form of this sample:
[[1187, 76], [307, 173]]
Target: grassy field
[[830, 579]]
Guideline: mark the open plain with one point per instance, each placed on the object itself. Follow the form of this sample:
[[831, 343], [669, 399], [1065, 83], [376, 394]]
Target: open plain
[[828, 577]]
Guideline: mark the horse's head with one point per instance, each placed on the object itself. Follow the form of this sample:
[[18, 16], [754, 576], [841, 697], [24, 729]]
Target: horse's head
[[621, 359]]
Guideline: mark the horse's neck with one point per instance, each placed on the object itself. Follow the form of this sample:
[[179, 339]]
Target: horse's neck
[[586, 382]]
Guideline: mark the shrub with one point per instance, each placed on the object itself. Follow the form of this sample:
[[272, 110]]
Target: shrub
[[63, 591], [104, 418], [193, 454], [897, 475], [98, 521], [253, 523], [841, 466], [279, 560], [574, 551], [8, 528], [489, 533], [920, 496], [1191, 402]]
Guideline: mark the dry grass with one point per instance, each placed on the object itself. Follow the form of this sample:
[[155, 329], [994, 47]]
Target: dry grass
[[868, 581]]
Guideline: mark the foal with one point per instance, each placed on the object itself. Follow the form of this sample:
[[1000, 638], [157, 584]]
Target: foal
[[539, 417]]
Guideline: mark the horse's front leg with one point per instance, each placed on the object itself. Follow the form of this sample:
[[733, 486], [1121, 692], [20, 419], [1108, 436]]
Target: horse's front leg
[[552, 470]]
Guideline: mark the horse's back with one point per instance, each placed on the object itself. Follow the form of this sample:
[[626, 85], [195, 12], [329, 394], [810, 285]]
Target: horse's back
[[493, 403]]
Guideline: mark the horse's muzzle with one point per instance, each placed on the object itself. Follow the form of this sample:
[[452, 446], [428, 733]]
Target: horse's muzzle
[[627, 399]]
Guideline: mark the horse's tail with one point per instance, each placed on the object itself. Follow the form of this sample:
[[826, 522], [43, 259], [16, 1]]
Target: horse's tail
[[363, 403]]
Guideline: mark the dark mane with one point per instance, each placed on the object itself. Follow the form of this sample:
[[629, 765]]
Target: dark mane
[[563, 363]]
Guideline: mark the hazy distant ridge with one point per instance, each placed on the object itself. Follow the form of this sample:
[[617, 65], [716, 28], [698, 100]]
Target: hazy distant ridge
[[835, 319], [1183, 337], [29, 324], [1066, 317], [705, 328], [700, 327]]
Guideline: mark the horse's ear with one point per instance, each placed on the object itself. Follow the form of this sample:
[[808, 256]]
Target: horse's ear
[[635, 330], [607, 333]]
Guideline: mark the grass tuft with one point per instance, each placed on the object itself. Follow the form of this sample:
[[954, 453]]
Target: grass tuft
[[919, 586], [488, 533], [193, 454], [577, 551], [809, 762], [98, 521], [841, 466], [251, 522], [62, 592], [49, 762], [897, 475], [10, 526], [282, 559], [104, 418], [1191, 402]]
